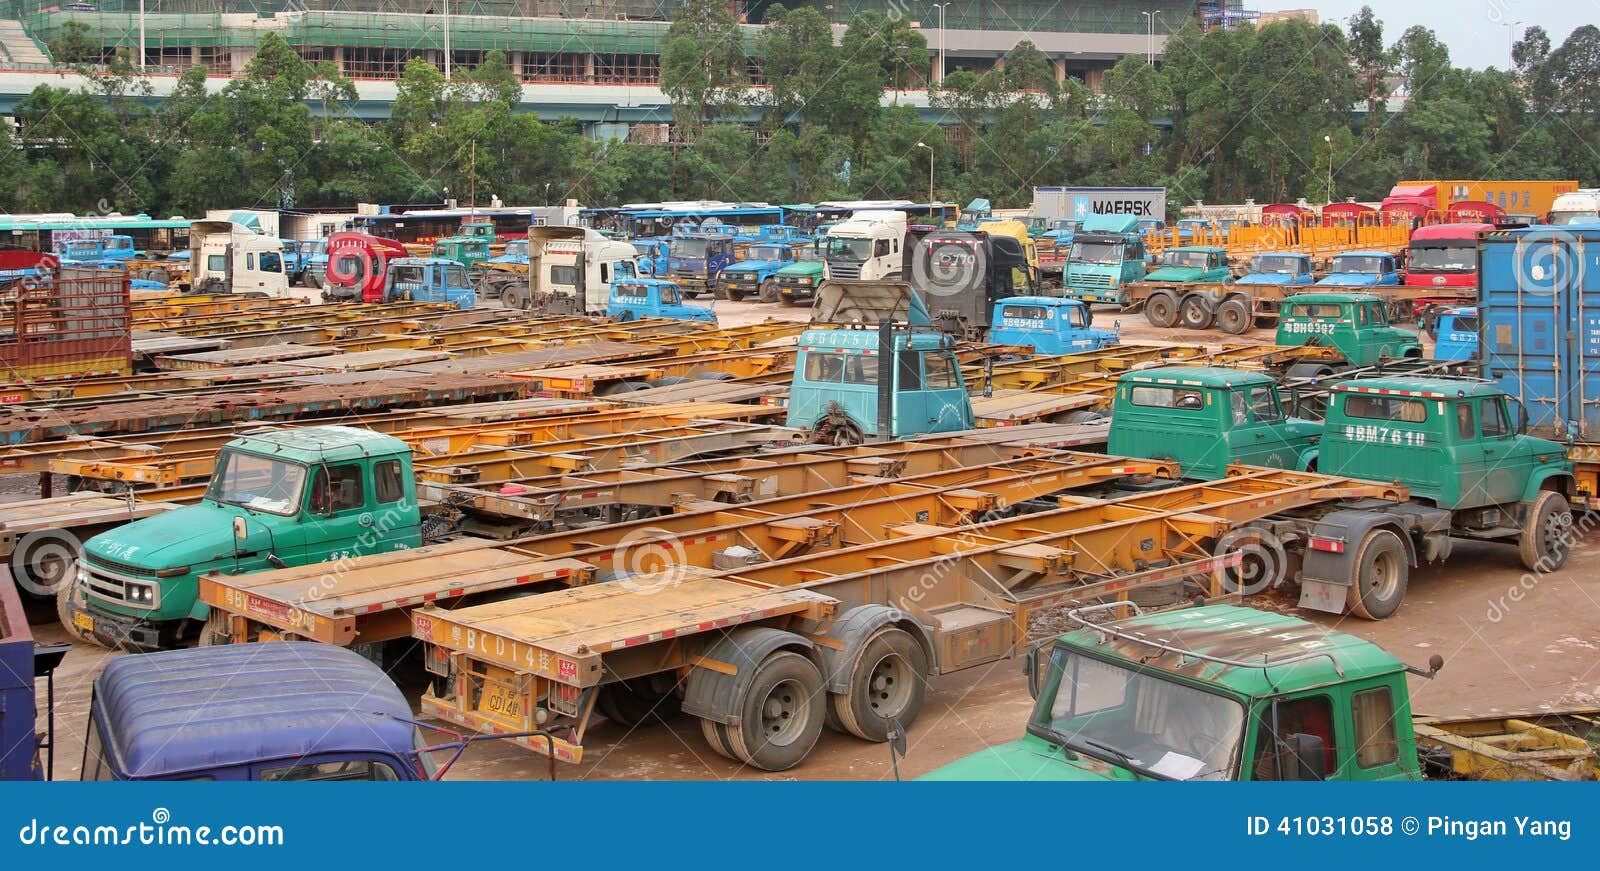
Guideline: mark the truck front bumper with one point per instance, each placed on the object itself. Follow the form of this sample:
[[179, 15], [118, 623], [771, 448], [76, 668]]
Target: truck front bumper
[[792, 292], [120, 630], [692, 286]]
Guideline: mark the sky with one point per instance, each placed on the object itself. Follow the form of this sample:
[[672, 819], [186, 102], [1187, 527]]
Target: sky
[[1475, 30]]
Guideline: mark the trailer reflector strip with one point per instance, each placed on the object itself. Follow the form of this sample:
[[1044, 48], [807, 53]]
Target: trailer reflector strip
[[1327, 545]]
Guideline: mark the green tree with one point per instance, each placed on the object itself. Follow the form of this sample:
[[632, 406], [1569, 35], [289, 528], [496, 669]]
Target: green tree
[[799, 60], [703, 64]]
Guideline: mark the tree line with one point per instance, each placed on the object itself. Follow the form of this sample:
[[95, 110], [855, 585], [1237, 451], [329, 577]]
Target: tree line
[[1274, 113]]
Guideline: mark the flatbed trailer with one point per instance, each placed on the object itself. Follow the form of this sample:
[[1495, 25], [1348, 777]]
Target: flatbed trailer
[[754, 647], [1237, 308], [1532, 745]]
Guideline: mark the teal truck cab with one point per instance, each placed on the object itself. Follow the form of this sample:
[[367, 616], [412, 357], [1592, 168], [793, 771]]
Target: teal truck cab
[[114, 248], [1278, 270], [840, 392], [1354, 324], [798, 280], [757, 273], [1107, 253], [1457, 334], [652, 256], [695, 259], [429, 279], [469, 251], [1192, 264], [638, 298], [1362, 269], [1208, 418], [1217, 692], [1049, 325], [277, 498]]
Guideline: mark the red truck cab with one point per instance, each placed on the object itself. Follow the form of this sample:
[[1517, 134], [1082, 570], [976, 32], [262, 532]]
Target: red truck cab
[[1442, 256], [357, 265]]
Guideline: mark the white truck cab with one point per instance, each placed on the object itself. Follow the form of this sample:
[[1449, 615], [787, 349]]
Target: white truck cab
[[867, 246], [225, 257], [576, 263]]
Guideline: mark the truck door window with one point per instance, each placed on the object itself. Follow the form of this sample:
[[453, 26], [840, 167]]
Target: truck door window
[[1312, 715], [939, 369], [861, 370], [386, 481], [271, 261], [336, 489], [1372, 712], [1239, 408], [1464, 426], [910, 374], [250, 262], [1264, 404], [669, 296], [1493, 414], [880, 248], [1361, 315], [1077, 317], [342, 769], [605, 273]]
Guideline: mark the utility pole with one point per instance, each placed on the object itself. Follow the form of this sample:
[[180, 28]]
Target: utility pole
[[1329, 139], [447, 40], [930, 171], [141, 35]]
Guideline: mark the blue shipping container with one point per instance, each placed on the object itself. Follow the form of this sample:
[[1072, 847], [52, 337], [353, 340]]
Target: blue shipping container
[[1539, 301]]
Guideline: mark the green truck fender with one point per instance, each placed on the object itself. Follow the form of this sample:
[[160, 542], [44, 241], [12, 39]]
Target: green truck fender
[[712, 695], [1308, 460], [852, 631], [1559, 480], [1351, 526]]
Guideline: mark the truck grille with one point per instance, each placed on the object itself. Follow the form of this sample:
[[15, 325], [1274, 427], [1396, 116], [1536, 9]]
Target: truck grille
[[1091, 279], [844, 270], [120, 568], [110, 589]]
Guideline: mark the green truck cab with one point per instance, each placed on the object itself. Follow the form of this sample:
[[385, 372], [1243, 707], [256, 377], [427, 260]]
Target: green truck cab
[[277, 498], [1206, 418], [798, 281], [1354, 324], [1218, 692], [469, 251], [1107, 253], [1192, 264]]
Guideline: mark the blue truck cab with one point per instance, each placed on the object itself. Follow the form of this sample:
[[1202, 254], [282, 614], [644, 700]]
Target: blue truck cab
[[1362, 269], [1048, 324], [282, 711], [114, 249], [652, 255], [1278, 269], [652, 298], [837, 378], [316, 269], [429, 279], [757, 273], [695, 258], [1060, 232], [1458, 334], [1107, 254], [515, 254]]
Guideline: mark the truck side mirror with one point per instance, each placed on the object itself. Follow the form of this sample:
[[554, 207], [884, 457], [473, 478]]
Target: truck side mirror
[[240, 532], [1303, 757], [1033, 668]]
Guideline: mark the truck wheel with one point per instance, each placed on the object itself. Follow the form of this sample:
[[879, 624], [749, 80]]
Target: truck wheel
[[769, 290], [1382, 572], [1161, 309], [716, 735], [780, 713], [1233, 316], [1196, 313], [636, 703], [887, 682], [215, 630], [64, 613], [733, 295], [1546, 537]]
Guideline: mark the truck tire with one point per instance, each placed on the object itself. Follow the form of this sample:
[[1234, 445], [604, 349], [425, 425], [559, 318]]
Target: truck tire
[[780, 713], [1161, 309], [636, 703], [1196, 313], [1233, 316], [887, 682], [64, 614], [214, 632], [716, 736], [729, 294], [769, 291], [1382, 572], [1546, 537], [515, 297]]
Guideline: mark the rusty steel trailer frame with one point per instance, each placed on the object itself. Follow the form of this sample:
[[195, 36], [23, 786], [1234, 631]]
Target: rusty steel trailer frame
[[969, 591], [1265, 300]]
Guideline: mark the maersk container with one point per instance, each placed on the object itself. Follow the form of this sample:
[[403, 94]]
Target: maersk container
[[1539, 328]]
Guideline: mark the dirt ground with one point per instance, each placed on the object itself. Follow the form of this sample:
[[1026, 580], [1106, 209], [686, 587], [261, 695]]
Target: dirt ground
[[1510, 642]]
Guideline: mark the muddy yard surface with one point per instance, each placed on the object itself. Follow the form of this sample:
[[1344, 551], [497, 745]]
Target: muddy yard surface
[[1510, 642]]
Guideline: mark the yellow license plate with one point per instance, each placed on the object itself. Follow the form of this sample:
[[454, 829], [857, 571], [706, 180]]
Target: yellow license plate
[[500, 701], [83, 621]]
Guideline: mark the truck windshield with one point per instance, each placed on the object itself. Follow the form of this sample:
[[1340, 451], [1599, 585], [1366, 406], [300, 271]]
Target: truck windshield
[[1096, 252], [689, 247], [517, 248], [1464, 259], [846, 248], [1138, 718], [764, 252], [645, 249], [258, 483], [1279, 265], [811, 253], [1563, 218], [1359, 265], [1190, 259]]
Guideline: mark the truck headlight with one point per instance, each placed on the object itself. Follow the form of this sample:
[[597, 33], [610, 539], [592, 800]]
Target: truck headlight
[[804, 281], [140, 594]]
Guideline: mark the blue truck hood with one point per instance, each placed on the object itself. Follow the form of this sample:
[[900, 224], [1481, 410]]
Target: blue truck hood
[[751, 266], [1349, 279], [1273, 279]]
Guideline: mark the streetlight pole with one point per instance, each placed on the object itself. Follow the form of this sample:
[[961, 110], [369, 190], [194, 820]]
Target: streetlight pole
[[1150, 36], [930, 171], [447, 40], [1511, 44], [940, 77], [1329, 139], [141, 35]]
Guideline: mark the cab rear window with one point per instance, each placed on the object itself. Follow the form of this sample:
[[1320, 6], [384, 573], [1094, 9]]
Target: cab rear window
[[1314, 310], [1028, 312], [1166, 397], [1392, 408]]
